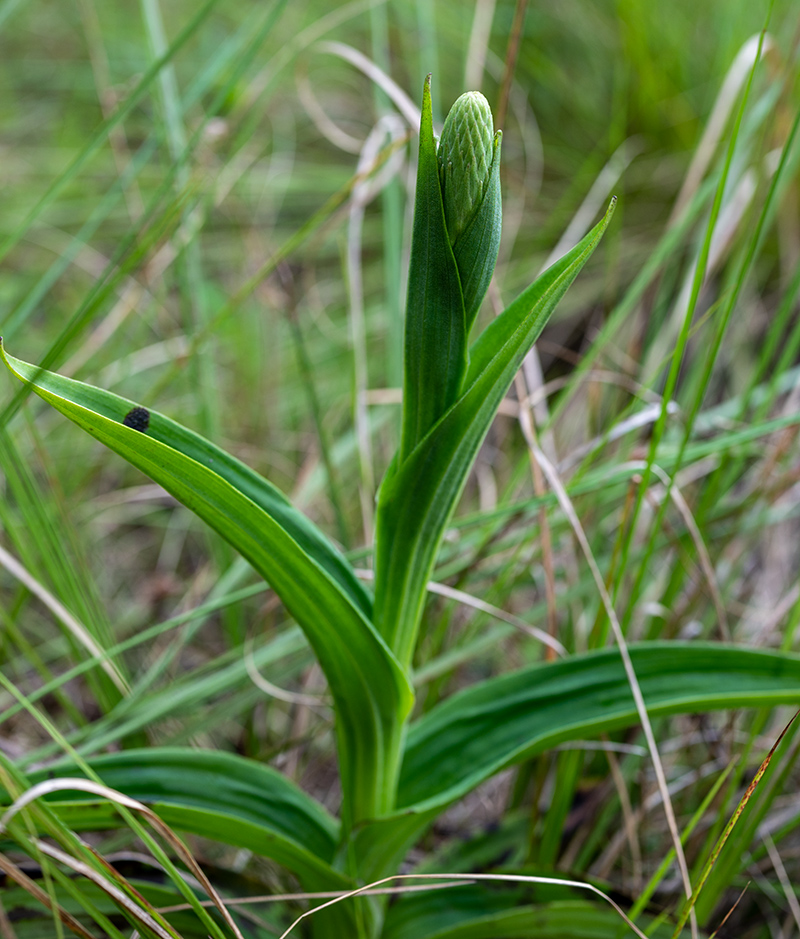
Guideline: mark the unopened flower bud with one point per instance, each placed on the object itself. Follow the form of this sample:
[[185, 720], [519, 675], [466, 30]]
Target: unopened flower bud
[[456, 236], [466, 151]]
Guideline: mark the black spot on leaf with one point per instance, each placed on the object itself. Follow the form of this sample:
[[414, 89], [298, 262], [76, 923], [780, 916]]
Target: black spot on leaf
[[138, 419]]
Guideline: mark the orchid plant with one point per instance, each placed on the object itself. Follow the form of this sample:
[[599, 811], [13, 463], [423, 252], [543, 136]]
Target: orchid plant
[[398, 772]]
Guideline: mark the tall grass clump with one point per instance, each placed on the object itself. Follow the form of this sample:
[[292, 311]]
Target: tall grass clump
[[422, 599]]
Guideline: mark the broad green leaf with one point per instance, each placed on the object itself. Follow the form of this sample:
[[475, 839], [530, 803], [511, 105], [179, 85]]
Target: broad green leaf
[[217, 795], [496, 723], [439, 911], [504, 720], [471, 913], [435, 331], [33, 921], [249, 483], [418, 497], [371, 693]]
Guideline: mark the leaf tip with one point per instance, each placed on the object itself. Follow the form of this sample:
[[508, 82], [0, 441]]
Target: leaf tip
[[497, 146]]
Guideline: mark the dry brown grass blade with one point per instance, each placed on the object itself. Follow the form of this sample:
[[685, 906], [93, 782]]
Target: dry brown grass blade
[[729, 828], [77, 630], [87, 785], [6, 929], [460, 596], [139, 909], [19, 877], [783, 877], [320, 895], [471, 878], [727, 915], [572, 516]]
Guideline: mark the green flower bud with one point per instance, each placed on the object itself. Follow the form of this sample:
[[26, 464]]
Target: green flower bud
[[466, 152], [454, 244]]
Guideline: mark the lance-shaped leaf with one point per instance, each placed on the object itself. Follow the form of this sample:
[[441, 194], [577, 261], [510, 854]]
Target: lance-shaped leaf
[[370, 691], [419, 494], [435, 346], [480, 912], [217, 795], [498, 722]]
